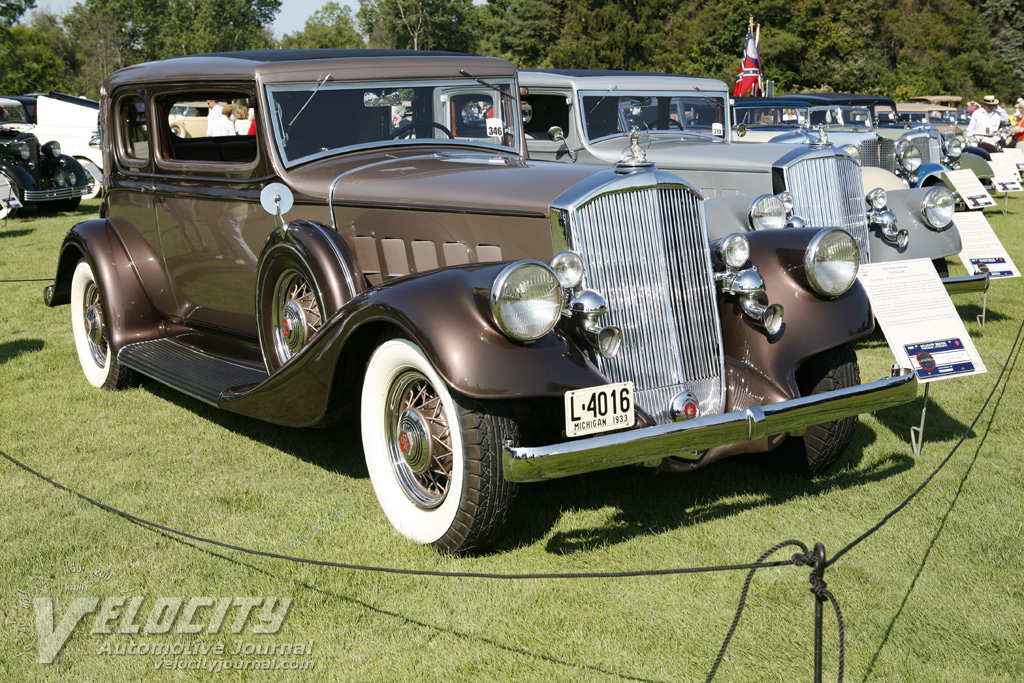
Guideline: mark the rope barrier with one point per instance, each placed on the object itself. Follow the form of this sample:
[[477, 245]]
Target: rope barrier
[[816, 559], [42, 279]]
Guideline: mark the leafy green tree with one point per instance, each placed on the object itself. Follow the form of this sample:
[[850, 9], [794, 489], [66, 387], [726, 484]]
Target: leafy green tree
[[521, 31], [12, 10], [331, 26], [419, 24], [29, 66]]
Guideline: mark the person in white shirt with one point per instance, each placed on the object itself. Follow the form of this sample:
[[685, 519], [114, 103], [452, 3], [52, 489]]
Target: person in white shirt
[[217, 121], [986, 119]]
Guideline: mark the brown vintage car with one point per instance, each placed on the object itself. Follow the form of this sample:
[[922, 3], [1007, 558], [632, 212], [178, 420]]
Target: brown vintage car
[[376, 252]]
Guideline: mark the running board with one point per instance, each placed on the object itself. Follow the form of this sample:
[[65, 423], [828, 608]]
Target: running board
[[190, 371]]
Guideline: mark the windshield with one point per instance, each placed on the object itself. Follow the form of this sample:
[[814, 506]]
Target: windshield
[[11, 113], [610, 114], [836, 115], [912, 117], [771, 115], [312, 121]]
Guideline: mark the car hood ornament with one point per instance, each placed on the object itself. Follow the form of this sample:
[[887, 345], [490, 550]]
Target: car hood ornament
[[634, 156]]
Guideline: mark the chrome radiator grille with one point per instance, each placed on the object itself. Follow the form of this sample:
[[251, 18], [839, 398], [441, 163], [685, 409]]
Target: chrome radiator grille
[[931, 151], [829, 192], [647, 252], [879, 153]]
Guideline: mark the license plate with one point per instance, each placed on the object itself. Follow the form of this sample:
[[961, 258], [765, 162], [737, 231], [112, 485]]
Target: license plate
[[599, 409]]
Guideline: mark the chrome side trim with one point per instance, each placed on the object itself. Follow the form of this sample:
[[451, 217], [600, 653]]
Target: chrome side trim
[[679, 438]]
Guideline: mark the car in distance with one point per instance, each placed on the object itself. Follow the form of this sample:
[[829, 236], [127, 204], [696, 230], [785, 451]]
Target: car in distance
[[683, 126], [486, 319], [38, 174]]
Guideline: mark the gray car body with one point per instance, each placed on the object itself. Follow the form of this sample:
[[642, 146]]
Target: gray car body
[[729, 175]]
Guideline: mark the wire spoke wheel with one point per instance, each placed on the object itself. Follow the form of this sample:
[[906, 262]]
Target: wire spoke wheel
[[296, 314], [433, 455], [419, 440]]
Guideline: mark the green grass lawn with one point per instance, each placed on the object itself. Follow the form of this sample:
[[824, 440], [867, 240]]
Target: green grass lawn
[[936, 595]]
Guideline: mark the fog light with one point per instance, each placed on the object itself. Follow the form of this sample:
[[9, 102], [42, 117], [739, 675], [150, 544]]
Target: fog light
[[733, 250], [568, 267]]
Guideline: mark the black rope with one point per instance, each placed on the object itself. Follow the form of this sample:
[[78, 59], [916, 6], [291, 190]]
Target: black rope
[[743, 599], [855, 542], [395, 570], [42, 279]]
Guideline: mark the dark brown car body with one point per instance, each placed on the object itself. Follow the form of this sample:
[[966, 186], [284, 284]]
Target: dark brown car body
[[398, 246]]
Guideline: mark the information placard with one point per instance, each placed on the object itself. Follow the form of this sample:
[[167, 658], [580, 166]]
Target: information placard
[[969, 188], [1017, 155], [1005, 177], [982, 251], [920, 322]]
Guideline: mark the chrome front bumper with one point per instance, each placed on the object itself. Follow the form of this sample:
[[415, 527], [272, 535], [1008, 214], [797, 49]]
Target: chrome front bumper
[[653, 443], [966, 283]]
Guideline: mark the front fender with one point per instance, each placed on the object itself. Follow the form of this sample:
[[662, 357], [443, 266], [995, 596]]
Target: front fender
[[18, 176], [978, 164], [924, 241], [763, 367], [447, 314], [930, 174]]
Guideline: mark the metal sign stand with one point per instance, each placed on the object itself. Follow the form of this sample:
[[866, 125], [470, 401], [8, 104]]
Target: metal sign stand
[[917, 433]]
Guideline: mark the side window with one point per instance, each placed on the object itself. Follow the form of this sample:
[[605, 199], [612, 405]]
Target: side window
[[134, 127], [214, 126], [545, 111]]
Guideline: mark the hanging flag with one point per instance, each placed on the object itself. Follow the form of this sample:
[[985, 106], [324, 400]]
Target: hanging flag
[[748, 81]]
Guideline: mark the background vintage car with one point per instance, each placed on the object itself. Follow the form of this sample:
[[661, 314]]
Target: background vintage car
[[487, 319], [936, 157], [757, 186], [38, 174]]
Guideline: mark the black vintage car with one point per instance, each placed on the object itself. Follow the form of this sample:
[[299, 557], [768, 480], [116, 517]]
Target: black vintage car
[[37, 173]]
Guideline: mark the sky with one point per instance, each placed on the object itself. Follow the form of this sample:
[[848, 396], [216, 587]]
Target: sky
[[290, 19]]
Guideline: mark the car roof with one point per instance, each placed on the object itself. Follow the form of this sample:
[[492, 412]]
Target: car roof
[[343, 65], [842, 98], [769, 102], [602, 79]]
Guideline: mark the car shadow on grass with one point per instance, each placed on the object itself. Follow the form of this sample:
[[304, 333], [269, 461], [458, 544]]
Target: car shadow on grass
[[336, 449], [643, 502], [969, 314], [12, 349], [15, 232]]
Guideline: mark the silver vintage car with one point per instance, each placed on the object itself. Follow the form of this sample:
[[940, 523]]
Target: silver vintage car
[[682, 124]]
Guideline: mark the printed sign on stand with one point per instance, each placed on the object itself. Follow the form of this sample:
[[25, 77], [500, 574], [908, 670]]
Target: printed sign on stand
[[921, 324], [1016, 155], [969, 188], [1005, 177], [982, 251]]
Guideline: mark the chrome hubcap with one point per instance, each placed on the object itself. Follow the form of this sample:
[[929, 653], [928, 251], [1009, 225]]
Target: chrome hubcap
[[296, 314], [93, 321], [419, 440]]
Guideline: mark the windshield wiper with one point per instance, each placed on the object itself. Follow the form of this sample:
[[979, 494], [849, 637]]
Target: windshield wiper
[[316, 89], [601, 99], [485, 84]]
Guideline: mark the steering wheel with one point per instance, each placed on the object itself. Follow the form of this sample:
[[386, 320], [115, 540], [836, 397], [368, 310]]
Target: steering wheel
[[677, 123], [406, 131]]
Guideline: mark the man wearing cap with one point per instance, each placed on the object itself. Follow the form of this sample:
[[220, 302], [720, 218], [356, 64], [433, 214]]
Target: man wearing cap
[[987, 119]]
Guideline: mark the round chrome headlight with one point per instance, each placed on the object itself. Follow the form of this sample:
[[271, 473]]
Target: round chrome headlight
[[526, 300], [877, 198], [568, 267], [767, 213], [908, 156], [831, 262], [938, 206], [52, 149], [733, 250], [973, 140], [60, 179], [955, 146], [854, 152], [21, 149]]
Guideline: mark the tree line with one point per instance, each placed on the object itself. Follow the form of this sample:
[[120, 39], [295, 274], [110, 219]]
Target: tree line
[[898, 48]]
